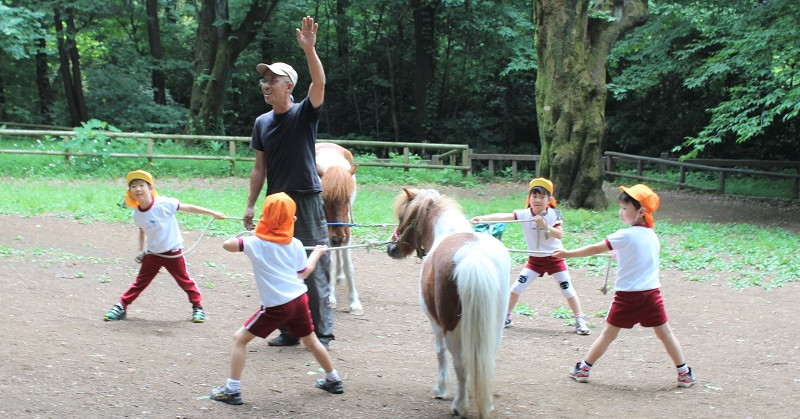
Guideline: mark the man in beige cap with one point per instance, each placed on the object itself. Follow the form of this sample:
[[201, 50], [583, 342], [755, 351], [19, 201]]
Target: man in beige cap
[[284, 139]]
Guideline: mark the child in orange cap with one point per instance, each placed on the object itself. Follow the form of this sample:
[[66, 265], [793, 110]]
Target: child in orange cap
[[637, 296], [279, 266], [160, 242], [543, 234]]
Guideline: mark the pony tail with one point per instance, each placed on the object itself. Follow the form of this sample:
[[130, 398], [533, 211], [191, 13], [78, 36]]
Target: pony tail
[[483, 291]]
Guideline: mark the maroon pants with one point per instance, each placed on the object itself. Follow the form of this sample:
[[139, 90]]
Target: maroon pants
[[150, 267]]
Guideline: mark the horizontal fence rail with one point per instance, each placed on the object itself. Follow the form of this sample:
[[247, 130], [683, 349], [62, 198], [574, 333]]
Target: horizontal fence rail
[[613, 158], [454, 150]]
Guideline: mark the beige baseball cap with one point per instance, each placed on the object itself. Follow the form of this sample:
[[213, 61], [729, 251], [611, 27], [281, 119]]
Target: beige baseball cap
[[279, 69]]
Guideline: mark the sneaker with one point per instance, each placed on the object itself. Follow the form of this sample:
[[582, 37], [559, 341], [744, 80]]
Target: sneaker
[[283, 340], [334, 387], [198, 315], [581, 327], [221, 394], [686, 379], [117, 312], [579, 374], [508, 322]]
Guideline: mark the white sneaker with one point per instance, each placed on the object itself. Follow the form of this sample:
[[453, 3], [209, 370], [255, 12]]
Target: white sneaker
[[508, 322], [581, 327]]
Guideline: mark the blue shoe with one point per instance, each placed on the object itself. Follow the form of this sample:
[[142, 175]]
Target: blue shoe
[[117, 312], [198, 316]]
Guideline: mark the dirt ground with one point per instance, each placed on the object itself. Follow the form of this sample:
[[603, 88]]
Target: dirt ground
[[60, 360]]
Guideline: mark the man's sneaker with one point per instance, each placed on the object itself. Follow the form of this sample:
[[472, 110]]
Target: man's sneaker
[[283, 340], [686, 379], [508, 322], [579, 374], [117, 312], [581, 327], [334, 387], [221, 394], [198, 316]]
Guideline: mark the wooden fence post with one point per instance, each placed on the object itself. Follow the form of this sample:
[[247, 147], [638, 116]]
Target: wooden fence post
[[66, 151], [682, 180], [149, 154], [722, 182], [405, 157], [232, 151]]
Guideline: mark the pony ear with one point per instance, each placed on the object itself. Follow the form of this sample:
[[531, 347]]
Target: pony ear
[[353, 169], [320, 172], [410, 194]]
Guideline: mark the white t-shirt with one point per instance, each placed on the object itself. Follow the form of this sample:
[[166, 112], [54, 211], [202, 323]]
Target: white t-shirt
[[534, 235], [275, 267], [636, 250], [160, 226]]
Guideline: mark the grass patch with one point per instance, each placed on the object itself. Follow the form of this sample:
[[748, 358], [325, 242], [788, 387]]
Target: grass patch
[[749, 256]]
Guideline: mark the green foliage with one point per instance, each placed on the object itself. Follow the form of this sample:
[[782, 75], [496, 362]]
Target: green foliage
[[19, 30], [701, 76], [524, 309]]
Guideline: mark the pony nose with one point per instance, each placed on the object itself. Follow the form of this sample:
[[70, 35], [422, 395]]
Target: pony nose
[[393, 251], [337, 240]]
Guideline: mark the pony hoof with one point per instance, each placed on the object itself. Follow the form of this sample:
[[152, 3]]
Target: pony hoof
[[356, 311]]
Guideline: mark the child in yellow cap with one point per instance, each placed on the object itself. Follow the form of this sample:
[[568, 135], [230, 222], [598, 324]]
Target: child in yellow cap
[[543, 234], [637, 296], [160, 243], [279, 266]]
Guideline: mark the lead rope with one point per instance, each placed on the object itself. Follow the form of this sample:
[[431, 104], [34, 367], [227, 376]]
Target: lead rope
[[139, 257]]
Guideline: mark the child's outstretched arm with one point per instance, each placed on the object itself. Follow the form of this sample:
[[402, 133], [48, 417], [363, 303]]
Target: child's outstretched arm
[[196, 209], [312, 260], [589, 250], [498, 216]]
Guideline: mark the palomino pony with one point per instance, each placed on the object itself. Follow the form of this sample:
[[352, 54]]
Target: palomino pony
[[337, 173], [463, 290]]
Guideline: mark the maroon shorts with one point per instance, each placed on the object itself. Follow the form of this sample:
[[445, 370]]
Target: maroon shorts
[[546, 265], [631, 307], [294, 315]]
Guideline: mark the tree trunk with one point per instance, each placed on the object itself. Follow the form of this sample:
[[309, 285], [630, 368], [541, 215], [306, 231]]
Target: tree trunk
[[44, 89], [216, 50], [424, 57], [70, 68], [156, 52], [572, 49]]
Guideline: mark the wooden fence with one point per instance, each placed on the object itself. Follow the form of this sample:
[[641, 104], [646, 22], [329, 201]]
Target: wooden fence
[[454, 151], [612, 159]]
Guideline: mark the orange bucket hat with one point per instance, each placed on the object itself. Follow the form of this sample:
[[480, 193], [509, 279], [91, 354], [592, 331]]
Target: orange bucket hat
[[137, 175], [277, 219], [544, 183], [648, 199]]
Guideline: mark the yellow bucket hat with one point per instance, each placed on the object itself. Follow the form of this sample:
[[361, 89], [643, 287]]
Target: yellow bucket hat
[[138, 175], [277, 219], [648, 199], [544, 183]]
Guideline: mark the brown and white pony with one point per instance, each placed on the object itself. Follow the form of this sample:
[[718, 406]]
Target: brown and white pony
[[337, 174], [463, 290]]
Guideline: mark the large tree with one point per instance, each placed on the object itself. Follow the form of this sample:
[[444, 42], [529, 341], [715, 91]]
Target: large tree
[[573, 41], [217, 47]]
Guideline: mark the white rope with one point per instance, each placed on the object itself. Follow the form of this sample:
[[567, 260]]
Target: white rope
[[182, 253]]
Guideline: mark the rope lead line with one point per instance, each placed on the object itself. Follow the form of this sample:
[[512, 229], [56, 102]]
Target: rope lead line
[[205, 230]]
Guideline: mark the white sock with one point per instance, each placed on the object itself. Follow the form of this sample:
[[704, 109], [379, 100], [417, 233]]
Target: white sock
[[333, 376], [585, 365], [233, 385], [683, 369]]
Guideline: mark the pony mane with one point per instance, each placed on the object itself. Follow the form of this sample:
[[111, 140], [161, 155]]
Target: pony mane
[[422, 207], [337, 184]]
